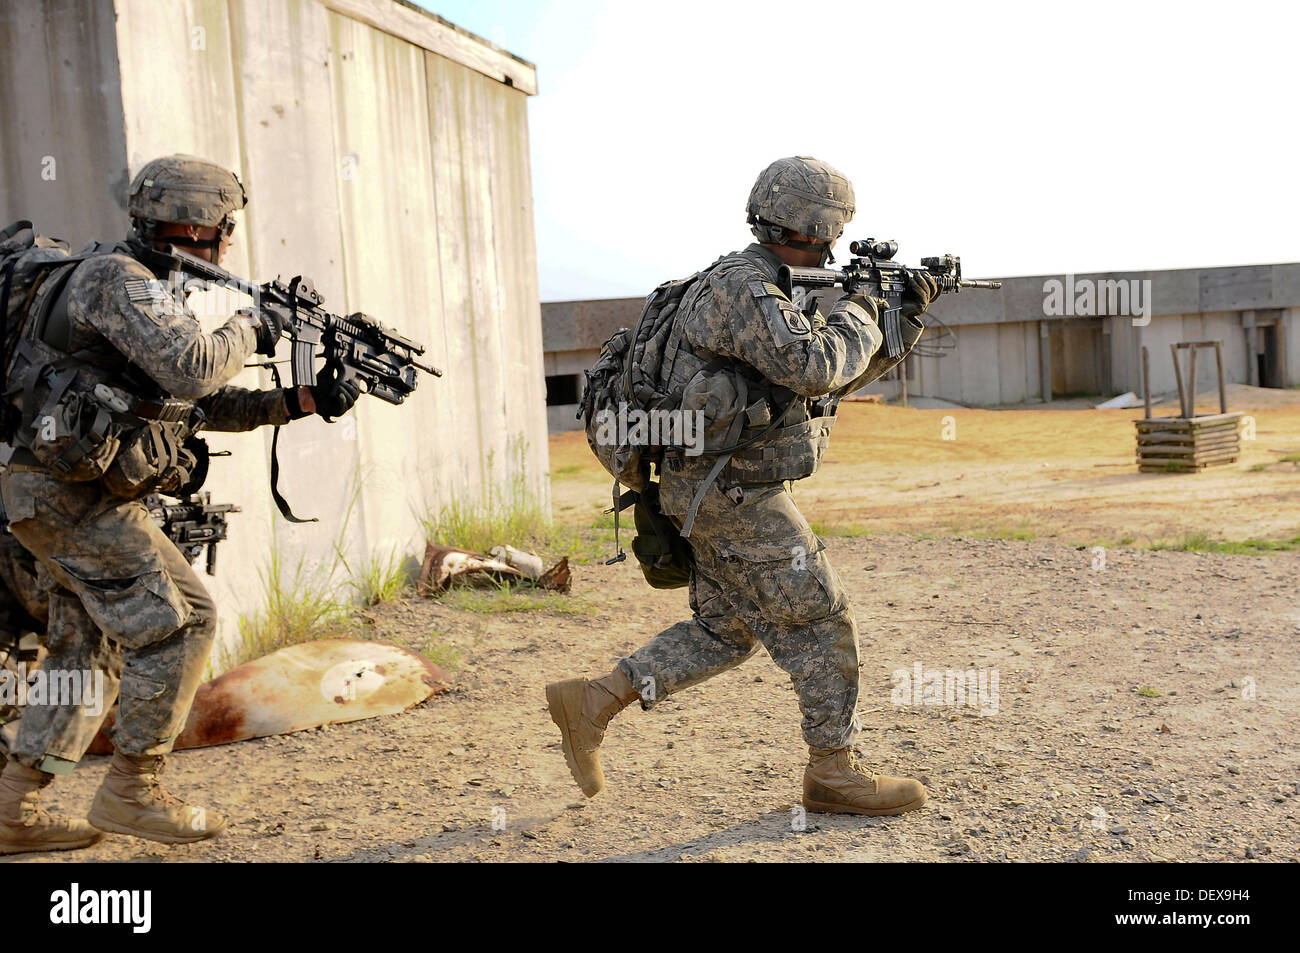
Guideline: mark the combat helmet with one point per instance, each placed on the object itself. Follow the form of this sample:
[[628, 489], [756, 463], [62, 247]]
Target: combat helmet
[[187, 190], [800, 194]]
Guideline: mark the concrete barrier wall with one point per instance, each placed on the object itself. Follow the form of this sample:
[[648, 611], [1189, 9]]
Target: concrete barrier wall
[[397, 178]]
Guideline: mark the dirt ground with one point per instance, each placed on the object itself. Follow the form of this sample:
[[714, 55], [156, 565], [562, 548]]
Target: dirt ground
[[1059, 474], [1146, 703]]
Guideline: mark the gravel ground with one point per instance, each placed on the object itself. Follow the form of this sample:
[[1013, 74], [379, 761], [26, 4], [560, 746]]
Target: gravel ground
[[1146, 710]]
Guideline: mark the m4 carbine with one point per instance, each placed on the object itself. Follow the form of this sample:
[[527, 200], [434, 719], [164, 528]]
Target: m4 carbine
[[874, 273], [357, 347]]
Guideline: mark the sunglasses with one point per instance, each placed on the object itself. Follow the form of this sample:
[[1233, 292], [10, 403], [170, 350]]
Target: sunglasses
[[225, 229]]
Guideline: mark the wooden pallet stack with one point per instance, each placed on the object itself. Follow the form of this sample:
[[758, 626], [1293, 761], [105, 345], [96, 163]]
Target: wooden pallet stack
[[1187, 444], [1182, 444]]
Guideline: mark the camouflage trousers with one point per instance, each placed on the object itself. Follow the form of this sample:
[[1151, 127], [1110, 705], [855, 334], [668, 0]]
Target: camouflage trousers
[[123, 602], [24, 609], [761, 577]]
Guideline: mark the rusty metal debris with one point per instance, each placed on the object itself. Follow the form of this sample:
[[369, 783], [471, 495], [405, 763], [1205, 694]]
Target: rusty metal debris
[[330, 681], [442, 564]]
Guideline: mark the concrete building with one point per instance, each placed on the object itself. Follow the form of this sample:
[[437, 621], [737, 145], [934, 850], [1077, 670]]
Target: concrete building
[[1038, 338], [386, 155]]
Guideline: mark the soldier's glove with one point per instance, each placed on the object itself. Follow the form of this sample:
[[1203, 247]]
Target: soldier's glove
[[874, 307], [333, 395], [269, 325], [921, 291]]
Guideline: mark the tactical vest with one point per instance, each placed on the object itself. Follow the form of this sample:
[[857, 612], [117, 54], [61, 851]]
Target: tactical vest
[[83, 414], [791, 451]]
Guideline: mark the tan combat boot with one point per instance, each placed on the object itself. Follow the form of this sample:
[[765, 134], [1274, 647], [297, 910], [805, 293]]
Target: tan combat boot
[[581, 709], [26, 827], [132, 800], [833, 783]]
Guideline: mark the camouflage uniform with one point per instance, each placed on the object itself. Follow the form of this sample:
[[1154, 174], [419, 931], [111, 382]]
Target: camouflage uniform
[[24, 609], [122, 598], [766, 375], [761, 576]]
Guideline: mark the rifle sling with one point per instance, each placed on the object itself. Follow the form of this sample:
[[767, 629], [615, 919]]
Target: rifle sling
[[723, 458], [280, 502]]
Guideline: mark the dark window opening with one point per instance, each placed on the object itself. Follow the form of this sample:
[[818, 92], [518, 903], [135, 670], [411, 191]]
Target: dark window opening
[[561, 389], [1268, 365]]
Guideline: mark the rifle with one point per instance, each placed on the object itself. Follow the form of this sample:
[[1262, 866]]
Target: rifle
[[193, 523], [356, 347], [383, 362], [874, 273]]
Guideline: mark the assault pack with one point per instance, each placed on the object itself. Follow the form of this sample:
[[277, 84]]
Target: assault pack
[[626, 379], [67, 410]]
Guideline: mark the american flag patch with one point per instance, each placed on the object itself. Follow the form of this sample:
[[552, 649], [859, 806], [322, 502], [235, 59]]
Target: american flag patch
[[144, 290]]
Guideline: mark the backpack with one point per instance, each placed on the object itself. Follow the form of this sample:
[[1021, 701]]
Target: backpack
[[81, 424], [26, 261], [626, 378]]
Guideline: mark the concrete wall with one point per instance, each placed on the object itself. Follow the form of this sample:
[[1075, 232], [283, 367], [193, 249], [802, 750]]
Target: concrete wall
[[62, 143], [396, 177]]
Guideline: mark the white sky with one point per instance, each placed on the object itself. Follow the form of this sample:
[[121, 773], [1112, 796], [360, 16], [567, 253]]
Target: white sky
[[1028, 138]]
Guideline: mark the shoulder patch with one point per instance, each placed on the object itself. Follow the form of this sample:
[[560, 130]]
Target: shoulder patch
[[786, 322], [154, 298], [143, 290]]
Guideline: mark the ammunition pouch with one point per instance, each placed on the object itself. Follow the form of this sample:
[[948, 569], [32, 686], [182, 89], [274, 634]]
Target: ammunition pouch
[[155, 458], [665, 557], [71, 432], [789, 453]]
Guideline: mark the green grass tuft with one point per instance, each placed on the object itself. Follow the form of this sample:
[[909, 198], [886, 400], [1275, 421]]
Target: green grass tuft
[[503, 597], [1200, 542], [510, 513], [840, 529], [376, 579], [301, 605], [441, 653]]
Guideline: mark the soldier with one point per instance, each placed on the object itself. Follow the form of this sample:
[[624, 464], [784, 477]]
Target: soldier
[[760, 575], [112, 341]]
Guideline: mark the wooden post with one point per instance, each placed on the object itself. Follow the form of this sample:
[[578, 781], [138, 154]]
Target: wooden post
[[1045, 360], [1223, 385], [1178, 375], [1146, 381], [1252, 344], [1191, 382]]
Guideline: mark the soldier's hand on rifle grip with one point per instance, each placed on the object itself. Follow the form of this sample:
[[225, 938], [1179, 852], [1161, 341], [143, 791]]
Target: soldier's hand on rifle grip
[[873, 306], [269, 325], [922, 289], [333, 395]]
